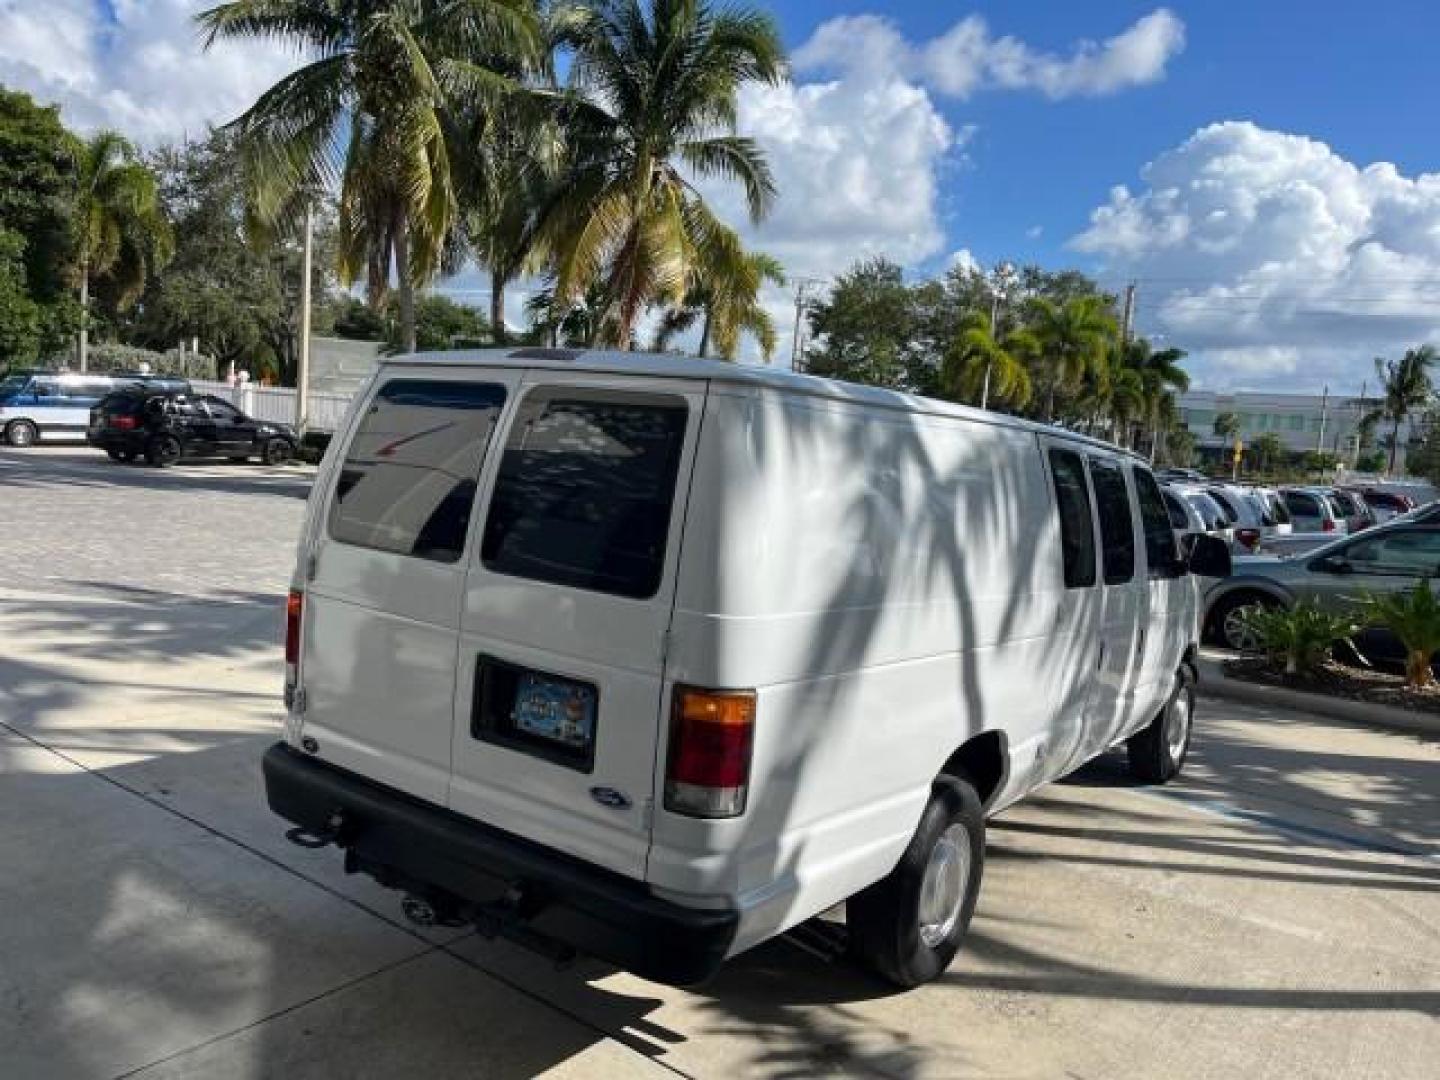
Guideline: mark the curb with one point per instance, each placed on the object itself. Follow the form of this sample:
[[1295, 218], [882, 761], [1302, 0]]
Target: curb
[[1215, 682]]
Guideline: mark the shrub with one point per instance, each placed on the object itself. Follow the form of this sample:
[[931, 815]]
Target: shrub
[[1301, 635], [1413, 617]]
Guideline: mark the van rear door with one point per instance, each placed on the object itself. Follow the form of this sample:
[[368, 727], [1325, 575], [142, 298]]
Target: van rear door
[[386, 572], [566, 611]]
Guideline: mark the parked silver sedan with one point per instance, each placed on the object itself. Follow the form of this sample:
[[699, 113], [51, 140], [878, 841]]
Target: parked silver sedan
[[1387, 558]]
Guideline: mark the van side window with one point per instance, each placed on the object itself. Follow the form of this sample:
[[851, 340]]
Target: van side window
[[1077, 530], [585, 487], [409, 476], [1117, 526], [1161, 555]]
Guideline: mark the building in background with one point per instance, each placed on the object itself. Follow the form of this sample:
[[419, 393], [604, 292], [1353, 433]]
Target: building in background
[[1302, 421]]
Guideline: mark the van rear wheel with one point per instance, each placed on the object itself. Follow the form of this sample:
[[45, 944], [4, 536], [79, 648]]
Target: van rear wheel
[[1157, 752], [908, 926]]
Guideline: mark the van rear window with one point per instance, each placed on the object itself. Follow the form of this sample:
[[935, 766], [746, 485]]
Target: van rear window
[[585, 488], [409, 475]]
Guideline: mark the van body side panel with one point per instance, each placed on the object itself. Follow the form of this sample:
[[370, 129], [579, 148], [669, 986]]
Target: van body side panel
[[889, 584]]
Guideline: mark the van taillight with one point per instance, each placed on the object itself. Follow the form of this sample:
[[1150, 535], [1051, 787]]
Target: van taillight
[[294, 606], [1250, 538], [1328, 525], [707, 772]]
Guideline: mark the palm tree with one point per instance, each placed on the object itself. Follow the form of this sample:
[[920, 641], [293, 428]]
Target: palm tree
[[654, 104], [1161, 377], [121, 230], [976, 355], [724, 298], [1074, 338], [1227, 425], [1406, 388], [376, 110]]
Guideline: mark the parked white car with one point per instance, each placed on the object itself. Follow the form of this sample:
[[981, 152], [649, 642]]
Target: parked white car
[[654, 658]]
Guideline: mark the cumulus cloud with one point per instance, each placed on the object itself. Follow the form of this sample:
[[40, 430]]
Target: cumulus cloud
[[1274, 259], [967, 58], [134, 65]]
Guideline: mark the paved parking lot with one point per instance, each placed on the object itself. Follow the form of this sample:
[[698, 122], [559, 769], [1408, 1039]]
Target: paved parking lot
[[1277, 914]]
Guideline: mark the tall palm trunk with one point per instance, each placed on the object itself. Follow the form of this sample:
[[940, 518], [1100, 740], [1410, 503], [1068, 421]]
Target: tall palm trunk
[[497, 307], [84, 349], [1394, 445], [705, 336], [407, 284]]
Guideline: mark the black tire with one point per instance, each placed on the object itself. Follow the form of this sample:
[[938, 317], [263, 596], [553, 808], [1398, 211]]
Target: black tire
[[238, 459], [277, 451], [1157, 752], [1222, 625], [114, 455], [163, 450], [21, 433], [127, 456], [885, 919]]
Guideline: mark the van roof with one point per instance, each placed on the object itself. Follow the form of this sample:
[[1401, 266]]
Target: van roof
[[687, 367]]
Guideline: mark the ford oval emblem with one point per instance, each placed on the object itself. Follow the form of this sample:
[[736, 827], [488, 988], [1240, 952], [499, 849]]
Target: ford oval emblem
[[608, 796]]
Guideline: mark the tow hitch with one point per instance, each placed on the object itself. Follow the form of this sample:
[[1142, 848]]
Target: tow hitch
[[509, 916]]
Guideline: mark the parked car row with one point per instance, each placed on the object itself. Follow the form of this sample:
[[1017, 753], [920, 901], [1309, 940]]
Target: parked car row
[[135, 416]]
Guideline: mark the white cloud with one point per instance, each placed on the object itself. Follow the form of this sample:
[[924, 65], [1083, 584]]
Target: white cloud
[[1034, 232], [967, 58], [135, 65], [1274, 260]]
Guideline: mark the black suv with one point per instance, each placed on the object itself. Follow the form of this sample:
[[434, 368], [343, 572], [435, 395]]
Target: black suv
[[165, 426]]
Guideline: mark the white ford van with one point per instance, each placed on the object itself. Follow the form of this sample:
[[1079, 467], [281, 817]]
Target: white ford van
[[653, 658]]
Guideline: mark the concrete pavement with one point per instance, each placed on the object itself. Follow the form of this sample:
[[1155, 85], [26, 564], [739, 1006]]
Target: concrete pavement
[[1275, 914]]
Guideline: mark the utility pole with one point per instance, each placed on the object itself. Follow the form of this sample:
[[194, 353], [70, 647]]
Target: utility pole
[[1324, 411], [302, 365], [802, 295], [1127, 317]]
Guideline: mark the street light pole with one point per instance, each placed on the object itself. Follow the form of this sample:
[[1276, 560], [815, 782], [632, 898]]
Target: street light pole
[[302, 365]]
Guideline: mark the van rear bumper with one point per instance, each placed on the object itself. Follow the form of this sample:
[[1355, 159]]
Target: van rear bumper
[[407, 843]]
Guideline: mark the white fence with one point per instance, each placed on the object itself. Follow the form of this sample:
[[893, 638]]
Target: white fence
[[277, 403]]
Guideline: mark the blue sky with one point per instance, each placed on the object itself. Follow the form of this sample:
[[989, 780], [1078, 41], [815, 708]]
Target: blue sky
[[1265, 170]]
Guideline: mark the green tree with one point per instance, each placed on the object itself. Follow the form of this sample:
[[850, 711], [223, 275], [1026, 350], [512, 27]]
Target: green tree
[[19, 314], [378, 109], [239, 299], [725, 300], [440, 323], [977, 359], [1406, 388], [1227, 425], [121, 233], [1161, 379], [37, 207], [1269, 450], [864, 329], [1075, 336], [654, 103]]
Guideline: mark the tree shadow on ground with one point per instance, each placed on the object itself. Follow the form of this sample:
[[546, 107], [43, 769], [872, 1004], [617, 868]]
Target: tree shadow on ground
[[93, 470]]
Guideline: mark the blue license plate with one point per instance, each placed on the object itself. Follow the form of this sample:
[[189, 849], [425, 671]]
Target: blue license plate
[[560, 712]]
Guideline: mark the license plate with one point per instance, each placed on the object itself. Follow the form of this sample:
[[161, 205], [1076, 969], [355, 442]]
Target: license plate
[[561, 712]]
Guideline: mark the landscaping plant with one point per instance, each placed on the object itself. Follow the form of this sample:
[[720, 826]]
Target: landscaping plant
[[1413, 617], [1301, 635]]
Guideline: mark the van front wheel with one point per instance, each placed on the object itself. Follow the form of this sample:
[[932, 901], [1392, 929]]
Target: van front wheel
[[1157, 752], [908, 926]]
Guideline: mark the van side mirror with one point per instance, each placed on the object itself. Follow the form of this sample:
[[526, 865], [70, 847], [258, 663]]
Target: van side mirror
[[1209, 557]]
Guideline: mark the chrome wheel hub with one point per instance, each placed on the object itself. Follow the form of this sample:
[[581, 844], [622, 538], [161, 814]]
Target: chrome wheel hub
[[1177, 725], [942, 891]]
